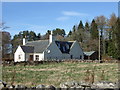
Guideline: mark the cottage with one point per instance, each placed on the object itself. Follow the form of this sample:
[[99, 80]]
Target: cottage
[[48, 50]]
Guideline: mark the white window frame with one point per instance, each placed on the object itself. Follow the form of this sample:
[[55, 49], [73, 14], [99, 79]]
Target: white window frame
[[37, 57]]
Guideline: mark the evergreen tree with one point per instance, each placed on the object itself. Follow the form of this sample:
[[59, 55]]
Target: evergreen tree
[[74, 28], [80, 26], [87, 26], [94, 30], [69, 34], [38, 36], [116, 38], [111, 50]]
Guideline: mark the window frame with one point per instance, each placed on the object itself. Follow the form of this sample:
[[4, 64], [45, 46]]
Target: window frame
[[37, 57]]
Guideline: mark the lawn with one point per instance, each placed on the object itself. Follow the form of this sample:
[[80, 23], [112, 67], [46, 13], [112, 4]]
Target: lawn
[[56, 73]]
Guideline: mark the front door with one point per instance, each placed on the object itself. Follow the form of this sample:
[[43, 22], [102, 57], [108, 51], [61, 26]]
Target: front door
[[31, 58]]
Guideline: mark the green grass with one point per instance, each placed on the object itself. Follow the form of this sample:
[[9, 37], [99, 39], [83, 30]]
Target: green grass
[[56, 73]]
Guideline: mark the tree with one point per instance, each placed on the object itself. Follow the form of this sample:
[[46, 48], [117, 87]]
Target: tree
[[38, 36], [74, 28], [87, 26], [113, 48], [5, 40], [29, 35], [2, 26], [80, 26], [94, 30], [116, 38], [101, 22], [111, 23], [46, 36], [59, 31], [32, 36], [112, 20], [16, 41], [69, 34]]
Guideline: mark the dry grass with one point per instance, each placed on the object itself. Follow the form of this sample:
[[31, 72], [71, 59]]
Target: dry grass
[[56, 73]]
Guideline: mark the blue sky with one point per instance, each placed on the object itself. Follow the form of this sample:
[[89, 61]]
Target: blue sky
[[43, 16]]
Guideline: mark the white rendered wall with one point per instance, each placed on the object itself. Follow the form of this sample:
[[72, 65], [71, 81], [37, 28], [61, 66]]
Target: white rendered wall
[[18, 52], [41, 56]]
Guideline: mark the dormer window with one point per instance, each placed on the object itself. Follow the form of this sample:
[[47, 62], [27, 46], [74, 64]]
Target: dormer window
[[63, 48], [67, 46], [59, 45]]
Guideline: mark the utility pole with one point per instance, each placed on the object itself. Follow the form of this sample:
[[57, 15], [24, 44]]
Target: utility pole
[[99, 47], [103, 42]]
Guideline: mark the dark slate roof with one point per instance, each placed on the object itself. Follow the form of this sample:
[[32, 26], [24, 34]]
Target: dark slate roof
[[28, 49], [39, 46], [64, 46]]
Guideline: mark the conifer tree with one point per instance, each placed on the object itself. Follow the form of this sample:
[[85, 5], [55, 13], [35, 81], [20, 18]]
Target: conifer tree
[[70, 33], [74, 28], [80, 26], [94, 30], [87, 26], [116, 38]]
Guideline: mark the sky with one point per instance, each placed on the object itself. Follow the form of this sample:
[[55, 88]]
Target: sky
[[43, 16]]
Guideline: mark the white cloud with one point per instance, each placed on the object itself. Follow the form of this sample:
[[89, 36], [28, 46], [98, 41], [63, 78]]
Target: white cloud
[[68, 14], [62, 18], [73, 13]]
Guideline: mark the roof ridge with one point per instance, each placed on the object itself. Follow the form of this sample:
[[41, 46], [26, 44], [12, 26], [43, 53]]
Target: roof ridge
[[64, 41], [27, 45], [36, 41]]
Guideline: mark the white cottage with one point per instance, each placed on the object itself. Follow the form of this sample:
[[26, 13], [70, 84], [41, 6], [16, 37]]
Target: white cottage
[[48, 50]]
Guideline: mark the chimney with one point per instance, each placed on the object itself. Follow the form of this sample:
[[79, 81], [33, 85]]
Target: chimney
[[24, 41], [51, 37]]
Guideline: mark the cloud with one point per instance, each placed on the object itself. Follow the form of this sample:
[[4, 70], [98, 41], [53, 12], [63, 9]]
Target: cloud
[[62, 18], [68, 14], [73, 13]]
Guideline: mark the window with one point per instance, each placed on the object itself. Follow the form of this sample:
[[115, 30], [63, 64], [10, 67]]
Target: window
[[36, 57], [63, 49], [71, 56], [67, 46], [19, 56], [80, 57], [59, 45]]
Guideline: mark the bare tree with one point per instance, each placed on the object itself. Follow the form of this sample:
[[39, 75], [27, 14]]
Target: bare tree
[[2, 26], [111, 23], [5, 38], [101, 22]]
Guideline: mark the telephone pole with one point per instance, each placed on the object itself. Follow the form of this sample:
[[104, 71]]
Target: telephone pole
[[99, 47]]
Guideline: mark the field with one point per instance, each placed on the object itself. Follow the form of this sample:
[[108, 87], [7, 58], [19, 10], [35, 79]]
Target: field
[[56, 73]]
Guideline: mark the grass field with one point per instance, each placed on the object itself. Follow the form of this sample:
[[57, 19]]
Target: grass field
[[56, 73]]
